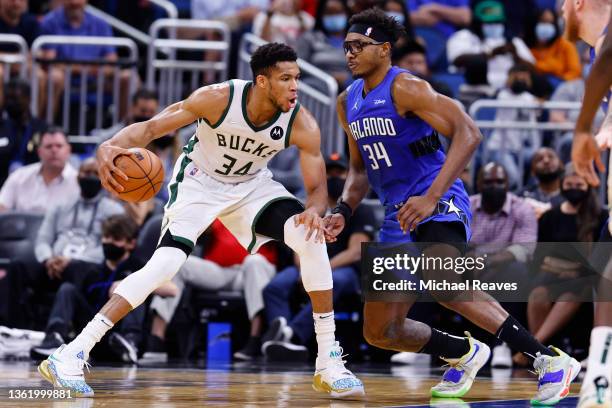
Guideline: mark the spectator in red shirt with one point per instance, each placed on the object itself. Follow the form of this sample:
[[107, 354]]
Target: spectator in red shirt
[[226, 266]]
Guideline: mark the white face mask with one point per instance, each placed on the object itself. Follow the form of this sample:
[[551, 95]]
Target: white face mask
[[545, 31], [493, 31]]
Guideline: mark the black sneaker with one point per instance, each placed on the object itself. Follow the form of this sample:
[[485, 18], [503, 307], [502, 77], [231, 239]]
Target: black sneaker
[[283, 351], [275, 331], [50, 343], [124, 347], [250, 351]]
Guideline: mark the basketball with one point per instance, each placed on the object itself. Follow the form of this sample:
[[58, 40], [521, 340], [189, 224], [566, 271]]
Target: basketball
[[145, 175]]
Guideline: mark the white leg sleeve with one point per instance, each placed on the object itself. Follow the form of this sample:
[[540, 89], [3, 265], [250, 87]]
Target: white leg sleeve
[[314, 262], [163, 265]]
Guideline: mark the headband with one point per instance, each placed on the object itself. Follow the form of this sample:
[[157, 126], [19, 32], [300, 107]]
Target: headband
[[370, 31]]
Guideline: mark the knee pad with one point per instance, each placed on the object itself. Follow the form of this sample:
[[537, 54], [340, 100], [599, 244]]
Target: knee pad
[[314, 262], [161, 268]]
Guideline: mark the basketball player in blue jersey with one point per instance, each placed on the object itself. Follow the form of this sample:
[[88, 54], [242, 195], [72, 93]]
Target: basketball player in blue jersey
[[392, 119], [587, 20]]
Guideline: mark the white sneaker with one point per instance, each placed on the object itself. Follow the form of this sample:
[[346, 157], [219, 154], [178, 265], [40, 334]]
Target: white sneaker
[[595, 394], [335, 379], [33, 336], [555, 374], [16, 343], [66, 371], [459, 377], [502, 356], [409, 358]]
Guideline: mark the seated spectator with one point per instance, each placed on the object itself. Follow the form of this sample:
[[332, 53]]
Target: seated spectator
[[322, 46], [226, 266], [547, 168], [288, 333], [557, 292], [399, 11], [554, 54], [518, 14], [19, 130], [413, 57], [43, 185], [485, 41], [572, 91], [76, 303], [446, 16], [513, 148], [237, 13], [15, 19], [476, 84], [283, 22], [71, 19]]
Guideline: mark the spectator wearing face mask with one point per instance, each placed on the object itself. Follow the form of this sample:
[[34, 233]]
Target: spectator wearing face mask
[[513, 148], [322, 46], [486, 42], [547, 169], [561, 280], [399, 11], [283, 22], [554, 55]]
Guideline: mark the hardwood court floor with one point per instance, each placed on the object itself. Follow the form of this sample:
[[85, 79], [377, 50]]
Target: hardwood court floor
[[256, 385]]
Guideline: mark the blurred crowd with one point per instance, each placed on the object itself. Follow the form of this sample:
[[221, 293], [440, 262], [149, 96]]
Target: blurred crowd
[[83, 241]]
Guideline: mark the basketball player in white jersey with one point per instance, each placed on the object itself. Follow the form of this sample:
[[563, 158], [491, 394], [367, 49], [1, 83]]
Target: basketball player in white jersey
[[223, 174]]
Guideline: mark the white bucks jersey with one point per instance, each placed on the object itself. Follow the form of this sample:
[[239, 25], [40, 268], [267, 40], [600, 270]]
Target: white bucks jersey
[[234, 150]]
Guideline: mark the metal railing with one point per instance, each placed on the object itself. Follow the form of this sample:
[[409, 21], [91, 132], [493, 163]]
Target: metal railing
[[169, 76], [320, 101], [8, 59], [103, 71]]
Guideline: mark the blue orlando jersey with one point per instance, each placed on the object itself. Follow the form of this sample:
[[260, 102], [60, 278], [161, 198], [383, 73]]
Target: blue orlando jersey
[[605, 103], [402, 155]]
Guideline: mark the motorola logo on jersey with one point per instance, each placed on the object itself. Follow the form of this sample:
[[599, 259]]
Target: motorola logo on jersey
[[372, 127], [276, 133]]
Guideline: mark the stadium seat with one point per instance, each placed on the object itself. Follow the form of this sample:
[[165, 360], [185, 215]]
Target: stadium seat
[[436, 47], [17, 234], [454, 81]]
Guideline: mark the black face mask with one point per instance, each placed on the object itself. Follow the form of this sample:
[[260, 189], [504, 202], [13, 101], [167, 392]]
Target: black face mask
[[90, 187], [548, 177], [113, 252], [574, 195], [163, 142], [140, 118], [493, 198], [335, 185], [519, 86]]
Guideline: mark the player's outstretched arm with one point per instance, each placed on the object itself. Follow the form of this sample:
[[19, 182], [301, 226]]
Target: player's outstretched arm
[[413, 95], [306, 135], [356, 185], [585, 151], [207, 102]]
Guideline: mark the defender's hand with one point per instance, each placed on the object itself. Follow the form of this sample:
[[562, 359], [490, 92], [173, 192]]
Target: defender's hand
[[334, 225], [108, 171], [585, 156], [313, 223], [415, 210]]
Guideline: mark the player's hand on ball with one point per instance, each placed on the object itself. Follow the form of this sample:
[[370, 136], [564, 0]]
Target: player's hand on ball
[[313, 223], [415, 210], [106, 155], [334, 224], [585, 153]]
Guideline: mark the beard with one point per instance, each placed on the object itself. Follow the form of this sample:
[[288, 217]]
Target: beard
[[571, 26]]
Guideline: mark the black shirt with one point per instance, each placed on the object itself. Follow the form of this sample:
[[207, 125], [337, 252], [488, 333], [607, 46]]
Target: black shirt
[[27, 27], [18, 143], [555, 226], [363, 220]]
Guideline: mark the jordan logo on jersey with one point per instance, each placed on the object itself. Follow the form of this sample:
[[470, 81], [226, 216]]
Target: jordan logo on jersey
[[276, 133]]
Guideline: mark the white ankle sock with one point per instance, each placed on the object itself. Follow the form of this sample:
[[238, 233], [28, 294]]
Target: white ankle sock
[[91, 334], [600, 354], [325, 329]]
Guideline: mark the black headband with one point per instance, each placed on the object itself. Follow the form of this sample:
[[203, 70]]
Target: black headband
[[370, 31]]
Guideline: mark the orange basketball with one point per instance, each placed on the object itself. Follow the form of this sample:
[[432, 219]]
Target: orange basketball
[[145, 175]]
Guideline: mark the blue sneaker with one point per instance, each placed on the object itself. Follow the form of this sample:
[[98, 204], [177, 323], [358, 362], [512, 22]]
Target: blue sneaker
[[555, 374], [66, 371], [459, 377]]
